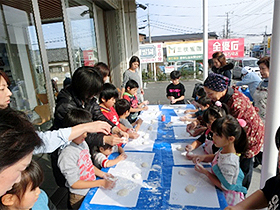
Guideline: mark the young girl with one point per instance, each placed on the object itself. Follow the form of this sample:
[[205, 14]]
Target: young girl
[[209, 116], [26, 193], [226, 174]]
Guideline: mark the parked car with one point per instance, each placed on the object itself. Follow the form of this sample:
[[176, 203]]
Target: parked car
[[240, 63], [189, 67]]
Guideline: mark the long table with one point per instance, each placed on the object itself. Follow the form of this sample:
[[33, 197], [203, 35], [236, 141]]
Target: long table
[[158, 197]]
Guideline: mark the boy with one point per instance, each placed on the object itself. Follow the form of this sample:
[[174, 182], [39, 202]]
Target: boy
[[123, 110], [107, 99], [75, 163], [176, 90], [131, 88], [101, 156]]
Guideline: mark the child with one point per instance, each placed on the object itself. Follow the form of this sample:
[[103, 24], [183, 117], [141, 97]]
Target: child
[[131, 88], [214, 112], [123, 110], [203, 104], [267, 196], [176, 90], [26, 193], [226, 173], [199, 93], [75, 163], [107, 99], [101, 156]]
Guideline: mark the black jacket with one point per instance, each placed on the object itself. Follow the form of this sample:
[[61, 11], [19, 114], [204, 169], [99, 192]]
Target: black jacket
[[225, 70], [67, 100]]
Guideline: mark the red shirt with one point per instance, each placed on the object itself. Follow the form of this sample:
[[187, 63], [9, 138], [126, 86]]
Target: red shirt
[[111, 115]]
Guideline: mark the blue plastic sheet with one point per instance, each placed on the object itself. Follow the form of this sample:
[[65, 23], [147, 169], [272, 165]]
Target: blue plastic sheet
[[159, 198]]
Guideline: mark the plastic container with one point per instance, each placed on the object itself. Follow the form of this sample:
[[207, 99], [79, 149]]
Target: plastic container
[[163, 118]]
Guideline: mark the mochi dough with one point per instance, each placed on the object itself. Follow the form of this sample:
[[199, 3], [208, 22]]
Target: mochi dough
[[190, 188]]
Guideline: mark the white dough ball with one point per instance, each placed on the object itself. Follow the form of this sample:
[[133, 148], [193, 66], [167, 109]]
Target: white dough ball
[[180, 148], [190, 188], [146, 136], [123, 192], [145, 142], [182, 172], [136, 176], [144, 165]]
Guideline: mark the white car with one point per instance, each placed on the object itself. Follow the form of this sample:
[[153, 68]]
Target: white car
[[240, 63]]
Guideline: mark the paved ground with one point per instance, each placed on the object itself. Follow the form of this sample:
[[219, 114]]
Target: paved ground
[[155, 93]]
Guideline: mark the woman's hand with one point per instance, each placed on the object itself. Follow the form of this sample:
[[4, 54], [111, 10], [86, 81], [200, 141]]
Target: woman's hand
[[98, 127]]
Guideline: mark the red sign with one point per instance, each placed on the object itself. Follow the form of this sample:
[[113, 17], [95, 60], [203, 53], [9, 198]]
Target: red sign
[[88, 57], [232, 48]]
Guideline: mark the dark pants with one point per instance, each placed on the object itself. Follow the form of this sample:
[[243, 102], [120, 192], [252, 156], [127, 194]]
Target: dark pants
[[246, 165]]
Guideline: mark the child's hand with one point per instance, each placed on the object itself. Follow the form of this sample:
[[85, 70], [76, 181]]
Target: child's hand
[[108, 176], [187, 111], [146, 102], [139, 121], [133, 135], [189, 148], [124, 156], [145, 108], [183, 118], [197, 158], [108, 184], [198, 167]]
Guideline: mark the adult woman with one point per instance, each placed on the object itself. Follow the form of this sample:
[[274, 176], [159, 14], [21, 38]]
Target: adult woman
[[216, 88], [221, 66], [132, 73], [260, 95], [86, 83], [18, 140]]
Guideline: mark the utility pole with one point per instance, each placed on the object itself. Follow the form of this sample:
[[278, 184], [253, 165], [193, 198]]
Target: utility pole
[[227, 27], [153, 66], [264, 41]]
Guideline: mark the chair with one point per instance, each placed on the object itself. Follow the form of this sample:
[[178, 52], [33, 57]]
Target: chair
[[43, 98], [44, 112]]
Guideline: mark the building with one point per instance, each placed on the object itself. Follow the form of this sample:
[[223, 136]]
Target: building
[[44, 39]]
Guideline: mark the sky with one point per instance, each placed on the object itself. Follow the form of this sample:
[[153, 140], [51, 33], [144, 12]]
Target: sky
[[248, 19]]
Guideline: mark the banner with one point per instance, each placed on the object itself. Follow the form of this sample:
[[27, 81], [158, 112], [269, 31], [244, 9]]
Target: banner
[[232, 48], [151, 53], [88, 57], [185, 51]]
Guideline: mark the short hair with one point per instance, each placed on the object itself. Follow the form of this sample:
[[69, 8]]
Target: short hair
[[175, 74], [229, 126], [200, 92], [131, 84], [5, 76], [277, 138], [103, 68], [122, 105], [109, 91], [105, 146], [87, 82], [204, 101], [133, 59], [17, 137], [265, 60], [33, 175], [77, 116], [220, 57]]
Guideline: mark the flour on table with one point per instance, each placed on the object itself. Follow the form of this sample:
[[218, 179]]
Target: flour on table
[[190, 188]]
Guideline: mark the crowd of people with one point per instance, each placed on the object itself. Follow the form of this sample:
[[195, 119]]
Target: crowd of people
[[87, 129]]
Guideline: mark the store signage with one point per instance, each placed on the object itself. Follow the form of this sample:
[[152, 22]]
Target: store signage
[[231, 48], [185, 51], [151, 53], [88, 57]]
